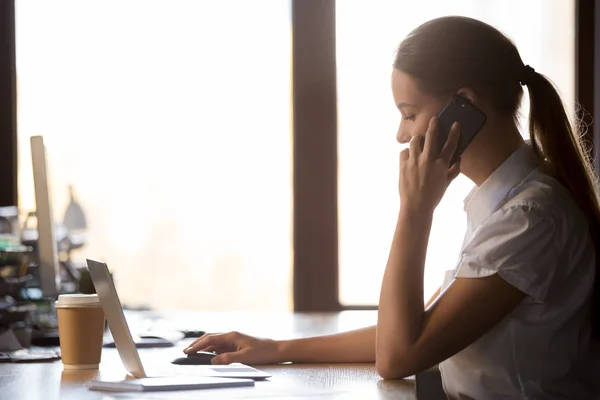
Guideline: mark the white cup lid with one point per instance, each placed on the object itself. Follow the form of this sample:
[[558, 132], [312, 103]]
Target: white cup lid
[[77, 300]]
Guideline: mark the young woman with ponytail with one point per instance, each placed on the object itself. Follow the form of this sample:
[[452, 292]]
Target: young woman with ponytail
[[516, 314]]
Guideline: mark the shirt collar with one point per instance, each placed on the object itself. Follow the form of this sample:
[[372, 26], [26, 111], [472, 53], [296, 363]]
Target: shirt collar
[[484, 200]]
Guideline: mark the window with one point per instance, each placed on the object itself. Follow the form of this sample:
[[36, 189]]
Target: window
[[172, 122], [367, 35]]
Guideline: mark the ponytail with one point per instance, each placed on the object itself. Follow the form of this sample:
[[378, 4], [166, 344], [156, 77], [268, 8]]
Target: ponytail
[[568, 158]]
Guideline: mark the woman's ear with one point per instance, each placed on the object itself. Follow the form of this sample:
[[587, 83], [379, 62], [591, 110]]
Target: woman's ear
[[468, 94]]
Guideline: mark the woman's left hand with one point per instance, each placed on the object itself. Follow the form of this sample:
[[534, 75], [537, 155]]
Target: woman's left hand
[[425, 174]]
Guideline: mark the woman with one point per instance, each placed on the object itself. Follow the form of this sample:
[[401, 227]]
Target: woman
[[513, 319]]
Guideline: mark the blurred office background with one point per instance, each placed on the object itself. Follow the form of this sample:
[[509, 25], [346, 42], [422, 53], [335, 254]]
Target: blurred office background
[[173, 121]]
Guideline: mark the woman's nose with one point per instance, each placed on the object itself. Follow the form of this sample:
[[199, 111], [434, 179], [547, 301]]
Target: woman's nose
[[402, 136]]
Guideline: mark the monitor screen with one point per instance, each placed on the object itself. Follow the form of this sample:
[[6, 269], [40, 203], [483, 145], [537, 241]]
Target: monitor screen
[[47, 247]]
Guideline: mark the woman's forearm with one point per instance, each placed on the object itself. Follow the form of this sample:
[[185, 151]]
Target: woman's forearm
[[400, 315], [352, 346]]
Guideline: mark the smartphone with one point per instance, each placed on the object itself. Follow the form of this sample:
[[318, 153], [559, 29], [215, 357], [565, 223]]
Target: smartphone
[[471, 120]]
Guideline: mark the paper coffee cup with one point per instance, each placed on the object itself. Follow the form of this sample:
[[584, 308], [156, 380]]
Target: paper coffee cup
[[80, 330]]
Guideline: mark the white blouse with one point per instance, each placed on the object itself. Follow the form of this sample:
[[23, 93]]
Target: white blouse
[[525, 227]]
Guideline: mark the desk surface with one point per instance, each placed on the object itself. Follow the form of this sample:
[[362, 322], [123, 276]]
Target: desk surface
[[328, 381]]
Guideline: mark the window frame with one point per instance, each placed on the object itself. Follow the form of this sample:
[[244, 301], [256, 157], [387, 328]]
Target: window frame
[[587, 93], [315, 211], [8, 106]]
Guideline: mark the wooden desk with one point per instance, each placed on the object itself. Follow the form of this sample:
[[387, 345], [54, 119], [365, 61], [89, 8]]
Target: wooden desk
[[326, 381]]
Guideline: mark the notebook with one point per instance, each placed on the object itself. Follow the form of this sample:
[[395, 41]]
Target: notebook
[[160, 384]]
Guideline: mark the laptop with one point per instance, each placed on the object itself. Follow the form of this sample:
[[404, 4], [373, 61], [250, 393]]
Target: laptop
[[111, 305]]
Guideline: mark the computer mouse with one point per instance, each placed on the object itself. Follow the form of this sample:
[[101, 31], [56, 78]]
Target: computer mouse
[[192, 333], [199, 358]]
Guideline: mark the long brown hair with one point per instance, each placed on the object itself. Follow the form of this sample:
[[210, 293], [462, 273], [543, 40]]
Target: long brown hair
[[448, 53]]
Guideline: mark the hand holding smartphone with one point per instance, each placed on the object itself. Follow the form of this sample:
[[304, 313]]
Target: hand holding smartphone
[[470, 118]]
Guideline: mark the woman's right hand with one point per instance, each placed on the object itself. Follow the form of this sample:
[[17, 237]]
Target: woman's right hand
[[237, 347]]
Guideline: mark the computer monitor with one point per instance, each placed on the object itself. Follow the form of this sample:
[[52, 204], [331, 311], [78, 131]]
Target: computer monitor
[[47, 247]]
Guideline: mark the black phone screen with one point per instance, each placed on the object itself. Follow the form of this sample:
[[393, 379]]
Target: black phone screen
[[471, 120]]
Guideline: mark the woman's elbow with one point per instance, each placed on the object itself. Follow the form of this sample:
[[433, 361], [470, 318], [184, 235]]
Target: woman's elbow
[[393, 367]]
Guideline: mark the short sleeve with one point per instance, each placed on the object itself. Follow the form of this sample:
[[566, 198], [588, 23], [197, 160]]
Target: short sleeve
[[517, 243]]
